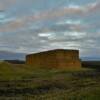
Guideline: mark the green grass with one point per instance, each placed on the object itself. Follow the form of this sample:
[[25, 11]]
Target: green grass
[[22, 82], [20, 71]]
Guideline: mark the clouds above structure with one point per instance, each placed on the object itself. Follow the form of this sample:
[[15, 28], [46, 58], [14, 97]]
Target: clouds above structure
[[34, 25]]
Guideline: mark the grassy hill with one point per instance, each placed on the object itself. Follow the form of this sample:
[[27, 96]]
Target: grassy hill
[[22, 82]]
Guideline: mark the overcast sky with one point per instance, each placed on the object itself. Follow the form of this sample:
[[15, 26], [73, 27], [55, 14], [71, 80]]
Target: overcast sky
[[38, 25]]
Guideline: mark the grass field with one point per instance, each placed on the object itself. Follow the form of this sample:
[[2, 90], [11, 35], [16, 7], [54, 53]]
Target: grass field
[[22, 82]]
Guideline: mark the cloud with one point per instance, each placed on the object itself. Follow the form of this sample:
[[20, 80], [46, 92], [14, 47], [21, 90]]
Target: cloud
[[70, 21], [70, 10], [5, 4], [45, 34], [70, 26], [24, 21]]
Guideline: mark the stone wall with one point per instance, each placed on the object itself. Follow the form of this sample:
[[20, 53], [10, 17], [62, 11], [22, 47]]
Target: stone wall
[[58, 58]]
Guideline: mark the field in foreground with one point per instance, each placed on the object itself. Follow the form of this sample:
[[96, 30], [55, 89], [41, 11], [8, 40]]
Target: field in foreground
[[21, 82]]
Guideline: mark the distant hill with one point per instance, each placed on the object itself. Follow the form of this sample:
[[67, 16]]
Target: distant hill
[[6, 55], [90, 58]]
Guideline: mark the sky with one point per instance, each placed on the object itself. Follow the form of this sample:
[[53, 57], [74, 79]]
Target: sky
[[39, 25]]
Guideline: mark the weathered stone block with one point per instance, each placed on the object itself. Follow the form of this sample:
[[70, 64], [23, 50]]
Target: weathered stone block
[[58, 58]]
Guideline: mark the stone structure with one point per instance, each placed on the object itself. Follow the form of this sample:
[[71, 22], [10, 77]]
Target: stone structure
[[58, 58]]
